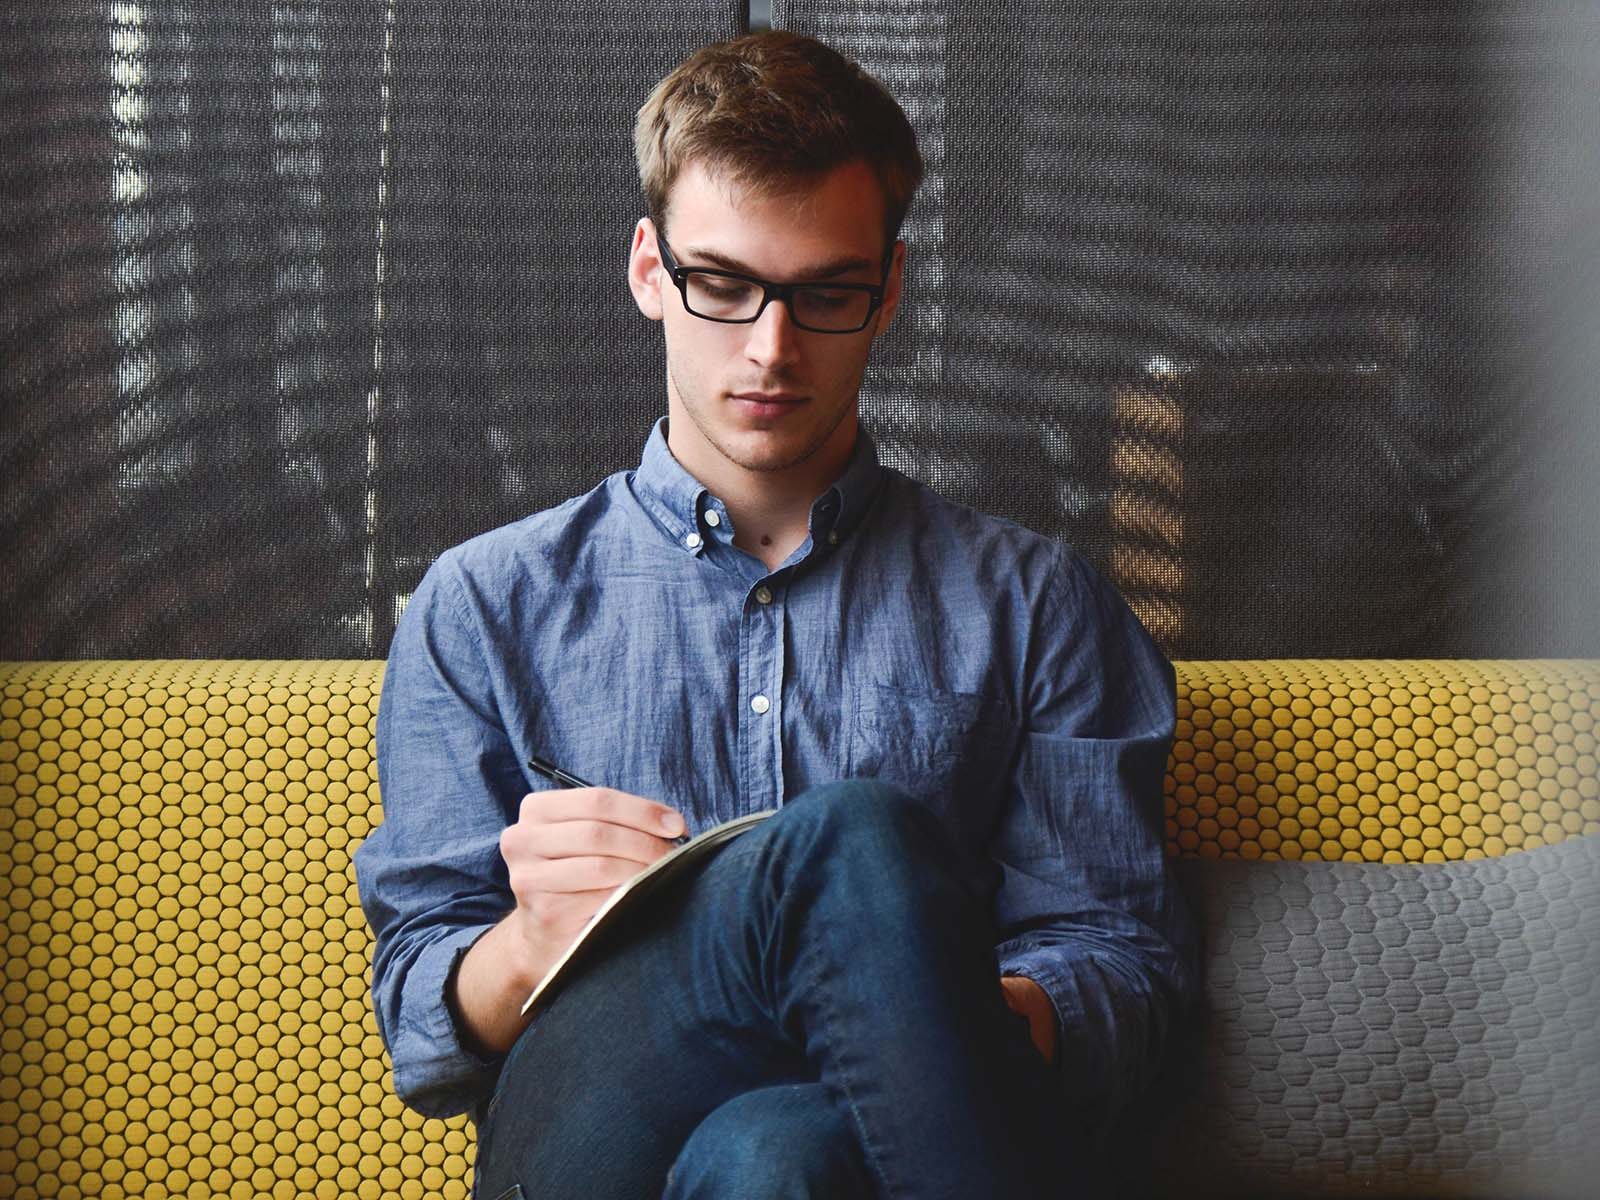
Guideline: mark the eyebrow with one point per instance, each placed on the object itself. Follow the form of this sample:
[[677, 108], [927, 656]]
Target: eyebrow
[[825, 270]]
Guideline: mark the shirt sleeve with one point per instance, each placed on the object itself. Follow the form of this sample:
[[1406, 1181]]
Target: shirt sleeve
[[430, 876], [1086, 906]]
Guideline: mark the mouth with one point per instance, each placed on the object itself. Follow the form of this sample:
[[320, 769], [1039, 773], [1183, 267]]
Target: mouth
[[767, 404]]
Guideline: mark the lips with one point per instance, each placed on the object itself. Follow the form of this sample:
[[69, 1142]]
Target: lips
[[767, 404], [770, 397]]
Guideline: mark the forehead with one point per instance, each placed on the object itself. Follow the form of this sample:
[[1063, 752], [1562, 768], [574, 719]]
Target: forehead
[[819, 217]]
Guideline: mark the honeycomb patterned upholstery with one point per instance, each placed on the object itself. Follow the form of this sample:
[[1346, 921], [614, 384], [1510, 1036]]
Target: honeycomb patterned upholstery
[[185, 963], [1390, 1030], [1374, 761]]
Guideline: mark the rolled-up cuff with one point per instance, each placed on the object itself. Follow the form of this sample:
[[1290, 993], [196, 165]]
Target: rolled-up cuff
[[435, 1071]]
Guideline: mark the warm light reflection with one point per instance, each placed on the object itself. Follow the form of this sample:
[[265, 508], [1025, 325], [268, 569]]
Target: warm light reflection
[[136, 419]]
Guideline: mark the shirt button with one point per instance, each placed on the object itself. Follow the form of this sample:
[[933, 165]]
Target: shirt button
[[692, 541], [759, 705], [763, 595], [713, 517], [833, 537]]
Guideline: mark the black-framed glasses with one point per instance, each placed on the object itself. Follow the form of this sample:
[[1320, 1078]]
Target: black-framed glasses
[[734, 298]]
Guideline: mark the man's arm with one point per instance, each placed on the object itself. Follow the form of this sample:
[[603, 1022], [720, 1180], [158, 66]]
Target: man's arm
[[431, 877], [1086, 908], [472, 886]]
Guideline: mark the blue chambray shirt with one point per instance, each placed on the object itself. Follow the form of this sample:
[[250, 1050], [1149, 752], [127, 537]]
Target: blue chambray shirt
[[984, 668]]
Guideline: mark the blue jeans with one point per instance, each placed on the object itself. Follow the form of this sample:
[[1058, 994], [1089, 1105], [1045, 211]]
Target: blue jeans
[[816, 1013]]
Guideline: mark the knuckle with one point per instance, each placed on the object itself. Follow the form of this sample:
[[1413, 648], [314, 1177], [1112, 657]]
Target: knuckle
[[602, 837], [520, 882], [604, 803], [520, 842], [511, 842]]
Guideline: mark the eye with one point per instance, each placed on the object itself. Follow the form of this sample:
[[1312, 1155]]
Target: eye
[[715, 287], [831, 298]]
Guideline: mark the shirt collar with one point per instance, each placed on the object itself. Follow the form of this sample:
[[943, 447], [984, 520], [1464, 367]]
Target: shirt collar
[[669, 493], [840, 510], [679, 502]]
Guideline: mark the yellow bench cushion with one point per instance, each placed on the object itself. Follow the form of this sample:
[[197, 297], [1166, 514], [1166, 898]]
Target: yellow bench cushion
[[185, 963], [1382, 761]]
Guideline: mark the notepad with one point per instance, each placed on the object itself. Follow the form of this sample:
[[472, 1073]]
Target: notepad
[[647, 882]]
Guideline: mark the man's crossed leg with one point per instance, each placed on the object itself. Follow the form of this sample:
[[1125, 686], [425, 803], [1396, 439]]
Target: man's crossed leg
[[818, 1006]]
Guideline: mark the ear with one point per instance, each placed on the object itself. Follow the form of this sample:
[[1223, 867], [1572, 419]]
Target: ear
[[892, 284], [644, 270]]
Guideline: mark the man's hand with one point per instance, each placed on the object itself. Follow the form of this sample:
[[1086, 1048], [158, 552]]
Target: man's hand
[[568, 851], [1028, 999]]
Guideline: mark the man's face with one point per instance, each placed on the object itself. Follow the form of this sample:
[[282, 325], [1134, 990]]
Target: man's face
[[768, 401]]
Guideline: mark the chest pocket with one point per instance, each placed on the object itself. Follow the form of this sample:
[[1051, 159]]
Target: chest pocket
[[950, 750]]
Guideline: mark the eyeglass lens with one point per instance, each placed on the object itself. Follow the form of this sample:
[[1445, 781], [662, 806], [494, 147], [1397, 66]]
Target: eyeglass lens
[[822, 308]]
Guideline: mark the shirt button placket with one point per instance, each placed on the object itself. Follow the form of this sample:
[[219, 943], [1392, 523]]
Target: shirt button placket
[[762, 642]]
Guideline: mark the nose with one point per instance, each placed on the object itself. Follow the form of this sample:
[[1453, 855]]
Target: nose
[[774, 340]]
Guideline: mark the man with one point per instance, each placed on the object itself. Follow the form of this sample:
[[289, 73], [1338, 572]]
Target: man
[[955, 944]]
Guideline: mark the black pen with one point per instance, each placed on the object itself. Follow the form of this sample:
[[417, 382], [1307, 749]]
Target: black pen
[[555, 774], [567, 779]]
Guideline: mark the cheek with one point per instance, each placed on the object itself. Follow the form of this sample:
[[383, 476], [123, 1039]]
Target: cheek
[[697, 353], [682, 347], [847, 366]]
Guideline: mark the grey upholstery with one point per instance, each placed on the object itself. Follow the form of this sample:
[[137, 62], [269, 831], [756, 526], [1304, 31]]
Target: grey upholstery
[[1389, 1030]]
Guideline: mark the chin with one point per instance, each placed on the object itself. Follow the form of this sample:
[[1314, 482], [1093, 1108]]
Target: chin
[[767, 459]]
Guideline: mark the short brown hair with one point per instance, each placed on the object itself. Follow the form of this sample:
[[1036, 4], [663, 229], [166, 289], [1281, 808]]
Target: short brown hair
[[770, 111]]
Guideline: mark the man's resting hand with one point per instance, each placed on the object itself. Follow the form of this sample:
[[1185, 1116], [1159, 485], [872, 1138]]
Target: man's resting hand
[[568, 851], [1027, 999]]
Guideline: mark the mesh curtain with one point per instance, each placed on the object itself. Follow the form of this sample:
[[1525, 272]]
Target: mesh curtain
[[295, 296], [1284, 314]]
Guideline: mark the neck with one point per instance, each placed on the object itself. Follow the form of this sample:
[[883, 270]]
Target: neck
[[770, 528], [770, 508]]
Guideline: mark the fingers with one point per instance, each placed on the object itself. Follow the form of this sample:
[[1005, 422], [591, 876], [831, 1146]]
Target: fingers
[[584, 839], [580, 874], [571, 848], [601, 805], [570, 839]]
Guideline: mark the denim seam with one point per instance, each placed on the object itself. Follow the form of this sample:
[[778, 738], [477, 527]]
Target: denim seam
[[828, 1019]]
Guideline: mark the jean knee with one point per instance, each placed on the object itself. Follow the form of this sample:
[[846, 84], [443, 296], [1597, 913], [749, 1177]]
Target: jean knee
[[860, 806], [884, 833], [869, 847]]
